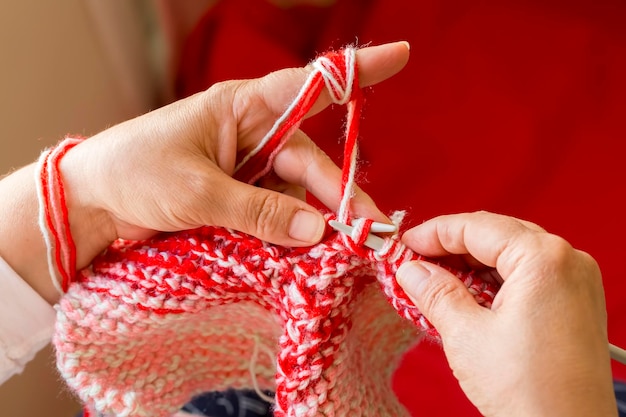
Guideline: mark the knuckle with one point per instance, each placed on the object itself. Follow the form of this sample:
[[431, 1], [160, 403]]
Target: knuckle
[[265, 213], [439, 294], [588, 261], [226, 95], [556, 249], [222, 87], [579, 265]]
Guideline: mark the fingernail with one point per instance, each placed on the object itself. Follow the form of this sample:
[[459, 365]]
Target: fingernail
[[307, 227], [408, 46], [410, 273]]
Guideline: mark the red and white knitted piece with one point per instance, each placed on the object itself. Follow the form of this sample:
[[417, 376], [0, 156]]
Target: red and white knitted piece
[[150, 324]]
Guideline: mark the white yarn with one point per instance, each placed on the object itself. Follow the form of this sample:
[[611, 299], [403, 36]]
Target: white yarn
[[344, 205], [329, 72], [340, 89], [253, 360], [43, 226]]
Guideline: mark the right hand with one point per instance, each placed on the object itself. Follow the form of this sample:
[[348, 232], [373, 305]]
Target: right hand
[[542, 348]]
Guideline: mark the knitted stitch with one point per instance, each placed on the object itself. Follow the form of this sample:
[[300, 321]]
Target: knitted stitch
[[152, 323]]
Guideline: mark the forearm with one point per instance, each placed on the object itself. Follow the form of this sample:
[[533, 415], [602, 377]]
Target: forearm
[[22, 244]]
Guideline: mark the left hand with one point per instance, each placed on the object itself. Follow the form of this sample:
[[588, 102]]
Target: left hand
[[171, 169]]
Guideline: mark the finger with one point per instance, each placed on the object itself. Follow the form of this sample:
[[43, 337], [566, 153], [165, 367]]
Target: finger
[[375, 64], [269, 215], [482, 235], [303, 163], [273, 182], [439, 295], [295, 192]]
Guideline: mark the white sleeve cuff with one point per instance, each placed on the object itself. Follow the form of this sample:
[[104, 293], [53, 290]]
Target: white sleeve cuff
[[26, 322]]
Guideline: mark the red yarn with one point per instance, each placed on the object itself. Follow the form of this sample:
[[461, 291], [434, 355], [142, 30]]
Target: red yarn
[[250, 172], [54, 216], [261, 161], [363, 232], [355, 107]]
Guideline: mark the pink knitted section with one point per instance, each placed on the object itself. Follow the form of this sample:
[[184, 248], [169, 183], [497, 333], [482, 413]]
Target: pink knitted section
[[152, 323]]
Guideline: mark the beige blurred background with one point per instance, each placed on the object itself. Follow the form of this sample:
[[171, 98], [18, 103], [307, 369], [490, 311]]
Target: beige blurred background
[[77, 67]]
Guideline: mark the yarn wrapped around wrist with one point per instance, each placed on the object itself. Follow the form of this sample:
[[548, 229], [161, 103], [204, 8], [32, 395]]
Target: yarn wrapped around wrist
[[53, 214]]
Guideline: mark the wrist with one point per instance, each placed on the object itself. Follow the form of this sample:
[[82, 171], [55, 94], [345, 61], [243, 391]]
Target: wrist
[[567, 393], [91, 226], [22, 244]]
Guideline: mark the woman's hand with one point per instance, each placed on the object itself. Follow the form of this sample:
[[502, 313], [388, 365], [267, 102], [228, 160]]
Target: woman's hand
[[542, 349], [171, 170]]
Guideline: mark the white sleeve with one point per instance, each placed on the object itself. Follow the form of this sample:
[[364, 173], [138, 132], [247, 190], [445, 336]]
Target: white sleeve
[[26, 322]]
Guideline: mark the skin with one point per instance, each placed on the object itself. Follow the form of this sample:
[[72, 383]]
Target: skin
[[171, 169], [541, 350]]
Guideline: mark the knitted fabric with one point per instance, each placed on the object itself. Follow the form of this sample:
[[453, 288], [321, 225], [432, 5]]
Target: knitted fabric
[[151, 323]]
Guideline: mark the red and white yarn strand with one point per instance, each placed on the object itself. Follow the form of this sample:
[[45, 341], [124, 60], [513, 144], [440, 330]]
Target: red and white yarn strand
[[344, 89], [53, 215], [338, 72]]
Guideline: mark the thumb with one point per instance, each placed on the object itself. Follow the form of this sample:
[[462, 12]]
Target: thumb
[[439, 295], [271, 216]]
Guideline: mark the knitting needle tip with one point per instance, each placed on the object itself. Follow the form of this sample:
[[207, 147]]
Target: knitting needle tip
[[618, 354], [372, 241], [383, 228]]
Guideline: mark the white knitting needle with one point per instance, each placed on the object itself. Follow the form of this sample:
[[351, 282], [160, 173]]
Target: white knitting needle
[[375, 242], [618, 354], [383, 228], [372, 241]]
